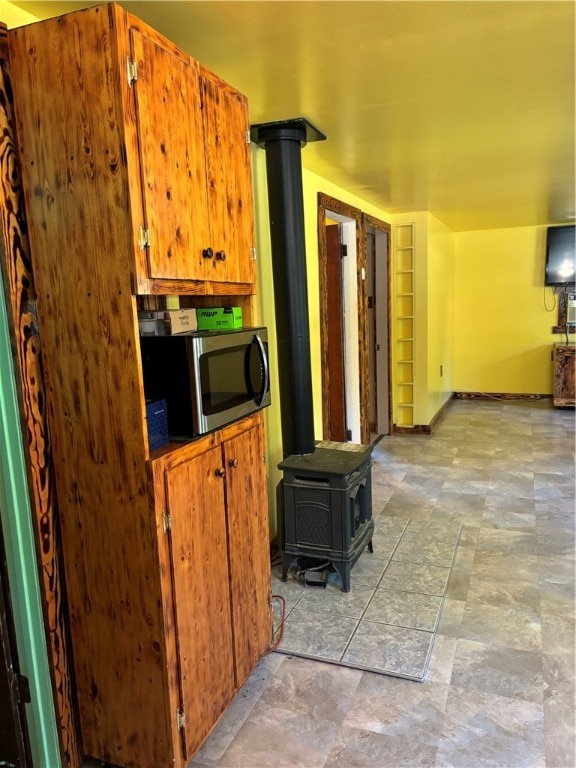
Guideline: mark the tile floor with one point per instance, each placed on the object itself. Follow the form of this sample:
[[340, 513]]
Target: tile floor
[[499, 690], [386, 623]]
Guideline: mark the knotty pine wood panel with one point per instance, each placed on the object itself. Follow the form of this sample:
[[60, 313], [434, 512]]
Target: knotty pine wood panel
[[172, 154], [159, 502], [87, 319], [18, 273], [228, 163], [196, 501], [249, 549], [198, 288], [173, 454]]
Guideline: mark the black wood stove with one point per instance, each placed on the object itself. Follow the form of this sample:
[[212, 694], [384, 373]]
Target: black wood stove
[[326, 499], [327, 508]]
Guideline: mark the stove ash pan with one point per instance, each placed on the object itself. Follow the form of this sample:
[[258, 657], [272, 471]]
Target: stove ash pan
[[327, 508]]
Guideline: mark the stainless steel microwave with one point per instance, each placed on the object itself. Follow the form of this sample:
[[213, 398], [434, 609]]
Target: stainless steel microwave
[[208, 378]]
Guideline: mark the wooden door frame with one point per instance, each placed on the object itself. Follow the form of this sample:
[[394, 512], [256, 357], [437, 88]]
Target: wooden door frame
[[370, 222], [334, 331], [17, 277], [326, 205]]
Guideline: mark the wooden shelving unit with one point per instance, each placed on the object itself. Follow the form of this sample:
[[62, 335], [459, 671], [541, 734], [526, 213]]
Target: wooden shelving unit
[[403, 250]]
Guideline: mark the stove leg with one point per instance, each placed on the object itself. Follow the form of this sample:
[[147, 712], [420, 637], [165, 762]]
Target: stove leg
[[343, 570], [286, 562]]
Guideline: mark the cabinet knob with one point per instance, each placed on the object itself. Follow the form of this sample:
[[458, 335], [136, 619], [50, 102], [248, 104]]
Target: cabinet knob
[[220, 472], [207, 253], [221, 255], [233, 463]]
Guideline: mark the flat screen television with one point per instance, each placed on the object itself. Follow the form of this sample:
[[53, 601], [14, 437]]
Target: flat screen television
[[560, 256]]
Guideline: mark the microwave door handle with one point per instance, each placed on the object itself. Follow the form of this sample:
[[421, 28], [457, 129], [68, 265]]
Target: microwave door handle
[[264, 360]]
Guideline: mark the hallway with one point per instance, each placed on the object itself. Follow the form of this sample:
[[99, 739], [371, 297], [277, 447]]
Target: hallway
[[499, 690]]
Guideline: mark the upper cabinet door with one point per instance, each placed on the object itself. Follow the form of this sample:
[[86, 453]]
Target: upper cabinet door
[[170, 134], [228, 168]]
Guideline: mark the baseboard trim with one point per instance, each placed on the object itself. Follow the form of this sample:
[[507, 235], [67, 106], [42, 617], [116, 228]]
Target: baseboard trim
[[427, 429], [499, 396], [424, 429], [417, 429]]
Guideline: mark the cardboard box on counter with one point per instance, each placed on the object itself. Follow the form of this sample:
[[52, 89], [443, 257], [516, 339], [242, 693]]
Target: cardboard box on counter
[[180, 320], [167, 322], [219, 318]]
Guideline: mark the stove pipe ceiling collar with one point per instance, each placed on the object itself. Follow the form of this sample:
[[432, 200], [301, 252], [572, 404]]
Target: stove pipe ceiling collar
[[283, 141]]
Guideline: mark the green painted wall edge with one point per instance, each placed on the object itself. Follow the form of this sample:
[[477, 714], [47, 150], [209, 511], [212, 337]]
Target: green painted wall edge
[[22, 565]]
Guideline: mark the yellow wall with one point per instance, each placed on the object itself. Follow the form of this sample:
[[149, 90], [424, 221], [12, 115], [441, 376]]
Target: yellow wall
[[312, 185], [13, 16], [440, 316], [502, 313], [433, 313]]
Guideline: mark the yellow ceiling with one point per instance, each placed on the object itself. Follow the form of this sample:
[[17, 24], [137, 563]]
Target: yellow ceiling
[[465, 109]]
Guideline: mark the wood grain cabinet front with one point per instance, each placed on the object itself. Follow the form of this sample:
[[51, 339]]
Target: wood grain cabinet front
[[229, 180], [142, 151], [131, 167], [220, 568]]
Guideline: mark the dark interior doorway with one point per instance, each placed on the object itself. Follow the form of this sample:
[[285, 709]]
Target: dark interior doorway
[[335, 333], [339, 398], [377, 248], [14, 747]]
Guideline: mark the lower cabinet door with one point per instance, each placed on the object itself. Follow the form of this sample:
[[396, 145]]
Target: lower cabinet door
[[249, 547], [196, 504]]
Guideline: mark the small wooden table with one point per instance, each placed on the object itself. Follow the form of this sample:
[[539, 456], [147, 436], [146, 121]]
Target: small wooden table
[[564, 362]]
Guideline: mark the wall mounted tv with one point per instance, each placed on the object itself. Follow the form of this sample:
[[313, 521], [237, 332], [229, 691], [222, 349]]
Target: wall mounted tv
[[560, 256]]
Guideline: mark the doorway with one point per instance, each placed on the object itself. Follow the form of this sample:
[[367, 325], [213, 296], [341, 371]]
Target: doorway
[[377, 239], [338, 240], [335, 338], [14, 745], [355, 349]]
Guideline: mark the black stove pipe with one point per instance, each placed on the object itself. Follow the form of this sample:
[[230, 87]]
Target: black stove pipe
[[282, 142]]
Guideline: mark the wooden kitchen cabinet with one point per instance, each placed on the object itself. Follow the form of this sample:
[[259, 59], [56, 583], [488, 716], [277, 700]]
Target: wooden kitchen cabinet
[[230, 204], [247, 526], [150, 148], [564, 374], [166, 555], [221, 571]]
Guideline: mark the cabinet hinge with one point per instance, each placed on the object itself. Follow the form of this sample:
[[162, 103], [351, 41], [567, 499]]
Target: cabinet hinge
[[166, 521], [144, 238], [180, 719], [348, 434], [131, 71], [343, 250], [253, 254], [248, 139]]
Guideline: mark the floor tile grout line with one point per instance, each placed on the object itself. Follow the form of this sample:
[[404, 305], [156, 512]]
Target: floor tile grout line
[[358, 621], [374, 592]]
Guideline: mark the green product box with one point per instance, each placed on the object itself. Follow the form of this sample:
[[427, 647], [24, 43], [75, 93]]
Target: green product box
[[219, 318]]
